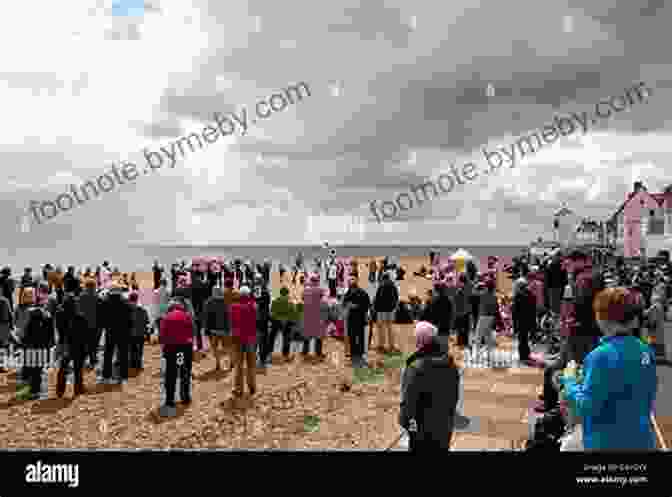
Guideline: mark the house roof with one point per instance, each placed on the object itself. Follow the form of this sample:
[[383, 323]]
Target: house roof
[[658, 197]]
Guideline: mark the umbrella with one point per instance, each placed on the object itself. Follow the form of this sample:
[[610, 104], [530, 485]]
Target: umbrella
[[461, 254]]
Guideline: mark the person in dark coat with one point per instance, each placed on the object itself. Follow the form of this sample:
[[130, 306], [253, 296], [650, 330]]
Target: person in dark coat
[[263, 300], [140, 326], [385, 306], [157, 273], [358, 304], [429, 392], [72, 330], [71, 283], [118, 322], [217, 324], [90, 305], [524, 318], [37, 335], [555, 280], [7, 286], [439, 312]]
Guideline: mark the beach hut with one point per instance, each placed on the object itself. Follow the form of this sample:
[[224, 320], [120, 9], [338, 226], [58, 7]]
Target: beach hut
[[460, 259]]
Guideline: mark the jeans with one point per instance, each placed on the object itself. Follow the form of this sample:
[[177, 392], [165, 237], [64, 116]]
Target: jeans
[[178, 362], [318, 345], [285, 328], [136, 352], [74, 353], [119, 343]]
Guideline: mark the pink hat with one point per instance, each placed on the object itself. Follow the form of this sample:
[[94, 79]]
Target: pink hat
[[424, 332]]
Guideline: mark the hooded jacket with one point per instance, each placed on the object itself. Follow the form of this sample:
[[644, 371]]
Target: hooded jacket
[[429, 394], [244, 320], [617, 395], [176, 328]]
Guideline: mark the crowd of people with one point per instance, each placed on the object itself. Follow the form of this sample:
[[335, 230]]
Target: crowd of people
[[227, 307]]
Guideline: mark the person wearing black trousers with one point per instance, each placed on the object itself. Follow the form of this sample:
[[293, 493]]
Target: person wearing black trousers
[[176, 337], [524, 321], [72, 328], [359, 303], [263, 301], [118, 322]]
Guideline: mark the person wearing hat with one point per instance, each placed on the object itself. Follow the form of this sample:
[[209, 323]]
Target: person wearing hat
[[244, 328], [618, 393], [429, 392]]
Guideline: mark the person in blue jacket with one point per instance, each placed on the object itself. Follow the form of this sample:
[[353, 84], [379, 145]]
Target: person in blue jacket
[[618, 392]]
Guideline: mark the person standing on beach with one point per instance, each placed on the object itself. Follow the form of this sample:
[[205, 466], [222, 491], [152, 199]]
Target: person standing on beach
[[439, 312], [244, 328], [157, 272], [462, 310], [358, 304], [314, 327], [332, 274], [282, 315], [37, 334], [176, 338], [488, 312], [140, 325], [6, 324], [90, 306], [386, 302], [27, 281], [118, 322], [7, 286], [216, 323], [263, 301], [72, 330]]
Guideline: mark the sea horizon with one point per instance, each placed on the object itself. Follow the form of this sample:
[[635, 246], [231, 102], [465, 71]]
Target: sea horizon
[[140, 257]]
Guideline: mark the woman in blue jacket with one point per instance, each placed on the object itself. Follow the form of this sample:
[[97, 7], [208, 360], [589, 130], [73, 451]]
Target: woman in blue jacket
[[617, 395]]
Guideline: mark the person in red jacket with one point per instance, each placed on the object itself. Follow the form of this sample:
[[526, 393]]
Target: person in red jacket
[[176, 337], [244, 329]]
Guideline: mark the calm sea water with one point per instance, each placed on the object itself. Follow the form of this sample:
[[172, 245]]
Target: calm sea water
[[140, 258]]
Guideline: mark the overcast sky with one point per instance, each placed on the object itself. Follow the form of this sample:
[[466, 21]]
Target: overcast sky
[[398, 91]]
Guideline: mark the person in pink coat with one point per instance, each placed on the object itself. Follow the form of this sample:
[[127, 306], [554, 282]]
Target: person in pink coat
[[315, 315], [244, 331]]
